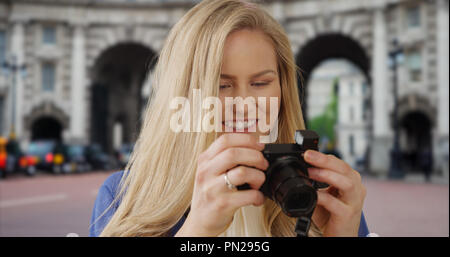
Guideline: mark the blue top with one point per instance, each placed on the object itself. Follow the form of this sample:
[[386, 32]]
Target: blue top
[[109, 190]]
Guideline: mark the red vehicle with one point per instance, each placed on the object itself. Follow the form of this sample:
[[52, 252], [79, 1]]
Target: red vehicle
[[47, 155], [13, 160], [3, 157]]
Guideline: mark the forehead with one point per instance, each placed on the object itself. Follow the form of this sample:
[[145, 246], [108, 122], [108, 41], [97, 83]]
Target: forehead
[[248, 51]]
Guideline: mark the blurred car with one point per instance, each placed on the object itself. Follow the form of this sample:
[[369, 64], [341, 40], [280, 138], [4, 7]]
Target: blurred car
[[3, 156], [124, 153], [49, 155], [77, 159], [12, 159], [98, 159]]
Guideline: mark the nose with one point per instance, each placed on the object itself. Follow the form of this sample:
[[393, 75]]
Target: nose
[[241, 90], [244, 107]]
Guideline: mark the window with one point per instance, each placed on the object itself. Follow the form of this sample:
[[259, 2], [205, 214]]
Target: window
[[48, 77], [351, 145], [364, 88], [414, 62], [366, 107], [413, 17], [2, 46], [49, 35], [351, 111]]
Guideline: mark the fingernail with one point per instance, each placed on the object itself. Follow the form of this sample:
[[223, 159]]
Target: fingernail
[[261, 144]]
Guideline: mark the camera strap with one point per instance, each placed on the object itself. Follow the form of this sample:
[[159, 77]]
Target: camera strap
[[303, 224]]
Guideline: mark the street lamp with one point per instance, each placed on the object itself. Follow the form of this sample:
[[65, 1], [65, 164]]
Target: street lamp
[[395, 169], [13, 67]]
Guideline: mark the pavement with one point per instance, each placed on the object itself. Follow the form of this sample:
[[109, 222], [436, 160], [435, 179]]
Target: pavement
[[61, 205], [47, 204], [407, 208]]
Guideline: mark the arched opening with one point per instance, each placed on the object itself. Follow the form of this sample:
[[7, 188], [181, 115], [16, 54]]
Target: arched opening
[[334, 90], [325, 47], [46, 128], [117, 79], [416, 142]]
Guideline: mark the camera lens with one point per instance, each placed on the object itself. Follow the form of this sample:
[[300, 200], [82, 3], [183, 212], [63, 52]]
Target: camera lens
[[299, 198], [298, 201], [290, 187]]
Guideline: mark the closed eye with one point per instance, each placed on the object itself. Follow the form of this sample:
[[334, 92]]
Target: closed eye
[[260, 84]]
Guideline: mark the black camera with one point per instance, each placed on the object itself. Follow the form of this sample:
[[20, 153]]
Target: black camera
[[287, 180]]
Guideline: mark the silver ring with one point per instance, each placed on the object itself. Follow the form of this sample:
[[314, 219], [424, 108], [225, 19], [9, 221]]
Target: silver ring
[[227, 181]]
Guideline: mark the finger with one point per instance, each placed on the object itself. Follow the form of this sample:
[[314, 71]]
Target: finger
[[344, 184], [232, 140], [233, 157], [238, 199], [241, 175], [332, 204], [327, 161]]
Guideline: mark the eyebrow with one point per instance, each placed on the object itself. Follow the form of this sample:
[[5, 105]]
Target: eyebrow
[[226, 76]]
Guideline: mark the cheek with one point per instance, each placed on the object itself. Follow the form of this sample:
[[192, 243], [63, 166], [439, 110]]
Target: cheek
[[274, 91], [222, 101], [279, 95]]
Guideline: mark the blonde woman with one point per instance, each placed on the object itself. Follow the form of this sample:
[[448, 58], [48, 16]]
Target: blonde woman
[[176, 182]]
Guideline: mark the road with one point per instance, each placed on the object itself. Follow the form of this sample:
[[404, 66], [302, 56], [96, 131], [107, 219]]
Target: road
[[412, 208], [49, 205]]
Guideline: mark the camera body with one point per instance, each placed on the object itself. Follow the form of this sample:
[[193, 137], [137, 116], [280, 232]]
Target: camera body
[[287, 180]]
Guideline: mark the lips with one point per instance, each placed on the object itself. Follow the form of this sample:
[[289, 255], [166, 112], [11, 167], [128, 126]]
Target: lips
[[242, 125]]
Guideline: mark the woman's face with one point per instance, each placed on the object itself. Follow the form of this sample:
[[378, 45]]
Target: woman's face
[[249, 68]]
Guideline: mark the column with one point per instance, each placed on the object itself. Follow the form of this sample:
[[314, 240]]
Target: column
[[443, 84], [379, 158], [17, 50], [443, 66], [380, 75], [78, 87]]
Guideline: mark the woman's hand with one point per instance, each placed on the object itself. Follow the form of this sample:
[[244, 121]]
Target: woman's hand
[[339, 207], [213, 203]]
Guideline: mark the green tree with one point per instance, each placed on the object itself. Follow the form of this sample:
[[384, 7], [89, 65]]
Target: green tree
[[325, 122]]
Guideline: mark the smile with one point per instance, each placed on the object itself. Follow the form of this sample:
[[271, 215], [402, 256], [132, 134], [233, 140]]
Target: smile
[[240, 124]]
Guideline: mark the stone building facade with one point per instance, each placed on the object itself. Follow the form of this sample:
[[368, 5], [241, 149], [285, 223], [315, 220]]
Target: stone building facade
[[81, 56]]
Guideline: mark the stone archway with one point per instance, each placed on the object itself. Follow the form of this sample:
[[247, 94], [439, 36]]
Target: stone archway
[[47, 121], [415, 139], [416, 103], [117, 78], [46, 128], [328, 46], [416, 120]]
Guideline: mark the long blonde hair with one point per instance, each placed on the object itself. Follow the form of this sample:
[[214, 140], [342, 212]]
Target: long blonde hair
[[157, 185]]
